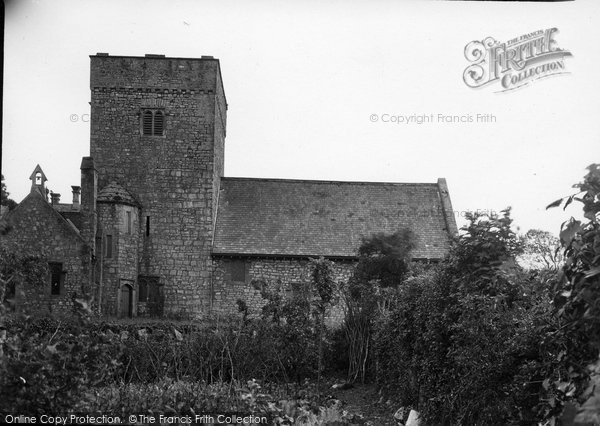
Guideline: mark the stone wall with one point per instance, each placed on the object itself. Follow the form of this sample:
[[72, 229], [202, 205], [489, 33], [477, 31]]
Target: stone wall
[[175, 177], [122, 266], [36, 228], [273, 272]]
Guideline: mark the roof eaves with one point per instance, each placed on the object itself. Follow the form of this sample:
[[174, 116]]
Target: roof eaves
[[281, 255]]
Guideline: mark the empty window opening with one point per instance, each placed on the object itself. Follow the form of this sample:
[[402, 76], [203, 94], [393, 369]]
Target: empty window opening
[[56, 277], [128, 217], [147, 226], [109, 247]]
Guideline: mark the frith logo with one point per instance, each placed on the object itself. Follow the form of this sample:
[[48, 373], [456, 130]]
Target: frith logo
[[516, 62]]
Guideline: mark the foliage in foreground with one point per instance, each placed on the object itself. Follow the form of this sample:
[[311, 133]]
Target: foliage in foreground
[[462, 343], [279, 405], [54, 367], [48, 364], [480, 341], [577, 300]]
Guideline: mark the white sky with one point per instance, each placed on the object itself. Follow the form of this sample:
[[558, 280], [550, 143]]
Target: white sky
[[302, 80]]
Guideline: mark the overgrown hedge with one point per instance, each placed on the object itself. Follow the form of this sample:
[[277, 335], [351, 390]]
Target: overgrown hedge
[[47, 362], [480, 341], [467, 358]]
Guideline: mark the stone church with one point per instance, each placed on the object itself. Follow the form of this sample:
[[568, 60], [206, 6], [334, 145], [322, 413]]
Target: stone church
[[155, 228]]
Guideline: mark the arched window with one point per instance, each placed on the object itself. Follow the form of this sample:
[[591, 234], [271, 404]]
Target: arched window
[[153, 122], [38, 178]]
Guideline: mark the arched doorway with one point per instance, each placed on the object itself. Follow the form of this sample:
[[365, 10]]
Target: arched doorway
[[126, 305]]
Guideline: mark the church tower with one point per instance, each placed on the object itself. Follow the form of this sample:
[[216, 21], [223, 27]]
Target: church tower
[[158, 133]]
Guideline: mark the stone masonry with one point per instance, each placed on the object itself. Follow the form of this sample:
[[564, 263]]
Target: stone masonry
[[283, 273], [35, 227]]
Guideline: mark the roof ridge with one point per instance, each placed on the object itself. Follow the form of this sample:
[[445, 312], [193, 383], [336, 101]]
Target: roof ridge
[[350, 182]]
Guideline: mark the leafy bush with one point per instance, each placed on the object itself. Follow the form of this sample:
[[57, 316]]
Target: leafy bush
[[45, 371], [171, 397], [152, 351], [577, 301], [280, 405], [223, 352], [463, 343]]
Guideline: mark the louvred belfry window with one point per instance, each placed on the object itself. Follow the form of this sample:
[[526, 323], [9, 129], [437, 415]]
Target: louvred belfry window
[[153, 122], [147, 123], [158, 123]]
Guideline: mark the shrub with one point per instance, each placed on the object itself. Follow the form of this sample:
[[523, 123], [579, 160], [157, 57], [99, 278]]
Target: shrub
[[384, 261], [577, 302], [280, 405], [465, 343], [44, 371]]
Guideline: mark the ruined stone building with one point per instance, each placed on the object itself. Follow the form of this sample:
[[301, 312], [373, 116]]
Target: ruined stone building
[[155, 227]]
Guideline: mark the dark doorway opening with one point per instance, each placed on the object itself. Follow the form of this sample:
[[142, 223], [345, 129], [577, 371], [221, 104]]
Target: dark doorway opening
[[126, 308], [152, 293]]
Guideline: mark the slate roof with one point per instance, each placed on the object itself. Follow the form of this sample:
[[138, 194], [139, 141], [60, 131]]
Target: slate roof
[[277, 217], [71, 212], [115, 193], [75, 217]]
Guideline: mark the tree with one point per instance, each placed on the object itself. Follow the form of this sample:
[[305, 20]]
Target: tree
[[4, 200], [385, 257], [541, 250], [487, 242], [383, 264]]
